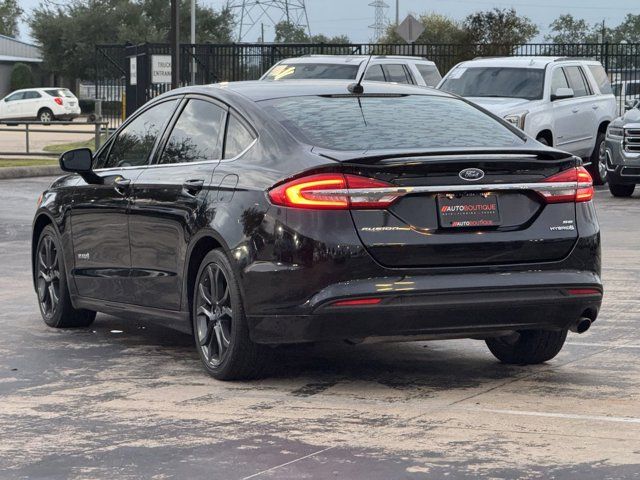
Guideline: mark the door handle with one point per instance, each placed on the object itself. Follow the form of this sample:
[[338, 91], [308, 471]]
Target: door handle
[[121, 184], [575, 110], [595, 107], [193, 186]]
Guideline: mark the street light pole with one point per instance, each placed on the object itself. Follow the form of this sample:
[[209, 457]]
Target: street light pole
[[193, 41], [174, 39]]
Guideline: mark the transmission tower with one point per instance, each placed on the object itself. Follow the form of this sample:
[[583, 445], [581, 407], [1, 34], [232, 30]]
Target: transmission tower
[[253, 15], [380, 23]]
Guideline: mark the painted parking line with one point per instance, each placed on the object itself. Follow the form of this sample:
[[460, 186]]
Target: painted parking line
[[288, 463], [569, 416], [606, 345]]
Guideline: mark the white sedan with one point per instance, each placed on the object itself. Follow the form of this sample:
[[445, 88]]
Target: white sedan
[[44, 104]]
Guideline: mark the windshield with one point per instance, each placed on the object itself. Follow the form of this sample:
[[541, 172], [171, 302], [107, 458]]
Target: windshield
[[289, 71], [525, 83], [421, 122]]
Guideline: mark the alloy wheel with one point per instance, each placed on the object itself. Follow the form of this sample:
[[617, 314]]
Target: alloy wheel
[[602, 163], [48, 282], [45, 117], [214, 314]]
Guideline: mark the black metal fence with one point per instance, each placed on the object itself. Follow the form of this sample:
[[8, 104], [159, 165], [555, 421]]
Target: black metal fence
[[211, 63]]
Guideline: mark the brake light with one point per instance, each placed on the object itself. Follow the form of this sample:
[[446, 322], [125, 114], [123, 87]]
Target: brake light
[[333, 191], [358, 302], [58, 100], [581, 191], [583, 291]]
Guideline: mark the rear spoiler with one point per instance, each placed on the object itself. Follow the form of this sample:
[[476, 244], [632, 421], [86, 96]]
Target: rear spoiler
[[369, 157]]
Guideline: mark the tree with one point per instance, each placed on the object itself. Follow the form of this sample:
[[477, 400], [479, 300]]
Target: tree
[[21, 76], [567, 29], [10, 13], [288, 32], [438, 29], [68, 33], [499, 26], [628, 31]]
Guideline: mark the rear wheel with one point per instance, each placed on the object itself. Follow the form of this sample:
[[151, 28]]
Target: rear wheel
[[527, 346], [45, 115], [219, 323], [51, 285], [621, 190], [598, 167]]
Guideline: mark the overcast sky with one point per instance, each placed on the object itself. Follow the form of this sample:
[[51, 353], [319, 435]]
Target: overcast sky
[[353, 17]]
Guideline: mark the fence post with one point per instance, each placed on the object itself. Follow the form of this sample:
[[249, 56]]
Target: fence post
[[96, 137], [26, 131], [605, 54]]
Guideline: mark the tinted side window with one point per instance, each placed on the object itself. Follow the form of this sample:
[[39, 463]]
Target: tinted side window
[[577, 81], [196, 135], [133, 144], [31, 95], [375, 74], [601, 77], [15, 96], [239, 137], [558, 80], [397, 73], [429, 73]]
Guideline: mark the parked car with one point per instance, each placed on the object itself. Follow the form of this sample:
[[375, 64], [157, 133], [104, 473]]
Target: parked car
[[44, 104], [627, 93], [381, 68], [561, 102], [265, 213], [623, 152]]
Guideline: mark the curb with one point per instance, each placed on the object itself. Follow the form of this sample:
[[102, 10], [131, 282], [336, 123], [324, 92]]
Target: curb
[[35, 171]]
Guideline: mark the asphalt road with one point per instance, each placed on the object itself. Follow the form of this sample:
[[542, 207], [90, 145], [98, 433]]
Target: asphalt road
[[128, 399]]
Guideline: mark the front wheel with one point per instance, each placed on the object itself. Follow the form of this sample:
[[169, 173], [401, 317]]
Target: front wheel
[[598, 167], [527, 347], [219, 324], [621, 190], [51, 285]]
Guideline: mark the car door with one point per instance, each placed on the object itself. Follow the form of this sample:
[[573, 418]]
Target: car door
[[11, 105], [583, 115], [30, 104], [99, 212], [168, 198]]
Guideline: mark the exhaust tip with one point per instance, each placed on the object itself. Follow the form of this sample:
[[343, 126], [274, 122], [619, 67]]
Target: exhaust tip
[[581, 325]]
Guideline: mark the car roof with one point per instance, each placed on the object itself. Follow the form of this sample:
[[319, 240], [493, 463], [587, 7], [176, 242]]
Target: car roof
[[350, 59], [257, 90], [523, 62]]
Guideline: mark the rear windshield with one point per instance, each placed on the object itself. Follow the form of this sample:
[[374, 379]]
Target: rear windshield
[[60, 92], [429, 73], [285, 71], [525, 83], [389, 122]]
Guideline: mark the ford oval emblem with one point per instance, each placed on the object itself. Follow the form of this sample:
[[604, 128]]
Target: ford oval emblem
[[471, 174]]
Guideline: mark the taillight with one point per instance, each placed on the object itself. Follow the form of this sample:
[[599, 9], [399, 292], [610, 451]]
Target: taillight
[[333, 191], [579, 186], [58, 100]]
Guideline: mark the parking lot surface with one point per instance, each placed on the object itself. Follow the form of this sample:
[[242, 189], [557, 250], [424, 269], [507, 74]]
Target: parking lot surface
[[129, 399]]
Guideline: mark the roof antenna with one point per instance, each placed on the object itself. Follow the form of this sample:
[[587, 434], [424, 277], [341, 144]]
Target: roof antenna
[[357, 88]]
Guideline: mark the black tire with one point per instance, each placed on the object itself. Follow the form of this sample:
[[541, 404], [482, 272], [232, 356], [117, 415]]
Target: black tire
[[221, 335], [598, 167], [45, 115], [51, 285], [543, 140], [527, 346], [621, 190]]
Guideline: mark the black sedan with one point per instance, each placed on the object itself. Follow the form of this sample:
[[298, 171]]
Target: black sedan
[[255, 214]]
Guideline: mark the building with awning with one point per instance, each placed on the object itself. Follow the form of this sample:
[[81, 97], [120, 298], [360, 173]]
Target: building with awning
[[14, 51]]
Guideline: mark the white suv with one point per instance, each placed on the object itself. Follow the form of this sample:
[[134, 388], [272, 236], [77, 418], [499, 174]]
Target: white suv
[[562, 102], [44, 104], [381, 68]]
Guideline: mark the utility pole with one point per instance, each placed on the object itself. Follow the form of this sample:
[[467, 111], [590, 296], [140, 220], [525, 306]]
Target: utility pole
[[174, 40], [193, 41], [397, 12]]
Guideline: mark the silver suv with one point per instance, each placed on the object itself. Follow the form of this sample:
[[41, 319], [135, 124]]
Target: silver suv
[[381, 68], [623, 153], [562, 102]]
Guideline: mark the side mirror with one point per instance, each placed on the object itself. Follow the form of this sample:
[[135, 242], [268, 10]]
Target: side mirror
[[629, 104], [561, 93], [79, 161]]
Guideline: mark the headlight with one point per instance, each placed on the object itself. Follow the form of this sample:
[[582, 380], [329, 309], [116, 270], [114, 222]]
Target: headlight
[[614, 131], [516, 119]]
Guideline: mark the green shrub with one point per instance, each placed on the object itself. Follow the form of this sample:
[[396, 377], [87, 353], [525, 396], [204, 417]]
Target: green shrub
[[21, 76]]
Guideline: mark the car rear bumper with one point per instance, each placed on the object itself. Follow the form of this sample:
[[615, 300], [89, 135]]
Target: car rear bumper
[[443, 306]]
